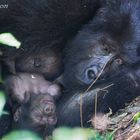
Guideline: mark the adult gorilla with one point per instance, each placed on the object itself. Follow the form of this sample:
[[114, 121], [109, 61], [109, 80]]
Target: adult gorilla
[[110, 40], [106, 50]]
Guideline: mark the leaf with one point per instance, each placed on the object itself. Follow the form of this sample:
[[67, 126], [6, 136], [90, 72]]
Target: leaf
[[2, 102], [109, 136], [76, 134], [21, 135], [9, 39], [136, 117]]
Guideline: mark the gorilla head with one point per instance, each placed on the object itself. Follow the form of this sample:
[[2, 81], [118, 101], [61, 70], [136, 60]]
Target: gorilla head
[[110, 40], [93, 54]]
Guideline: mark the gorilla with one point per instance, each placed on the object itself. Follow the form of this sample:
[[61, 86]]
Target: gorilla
[[32, 99], [104, 53], [43, 27], [38, 114], [40, 25], [100, 44]]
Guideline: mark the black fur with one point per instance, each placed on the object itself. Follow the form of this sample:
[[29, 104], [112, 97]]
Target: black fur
[[43, 24], [48, 23], [115, 31]]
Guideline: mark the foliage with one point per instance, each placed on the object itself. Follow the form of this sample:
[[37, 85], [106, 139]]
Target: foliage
[[21, 135], [2, 102], [79, 134], [9, 39], [136, 117]]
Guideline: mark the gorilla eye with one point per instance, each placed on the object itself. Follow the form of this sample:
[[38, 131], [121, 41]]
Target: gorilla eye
[[91, 74], [37, 62]]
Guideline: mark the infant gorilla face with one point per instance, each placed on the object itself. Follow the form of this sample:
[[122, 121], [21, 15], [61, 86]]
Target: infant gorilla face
[[100, 55], [48, 63], [38, 114], [35, 98], [43, 110]]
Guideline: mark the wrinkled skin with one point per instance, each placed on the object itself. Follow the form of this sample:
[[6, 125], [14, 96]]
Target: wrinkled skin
[[39, 114]]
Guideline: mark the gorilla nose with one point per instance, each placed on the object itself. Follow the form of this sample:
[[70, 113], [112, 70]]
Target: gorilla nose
[[49, 109], [91, 74]]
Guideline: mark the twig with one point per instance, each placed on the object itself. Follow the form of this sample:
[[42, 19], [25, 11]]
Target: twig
[[81, 98], [95, 108], [96, 78]]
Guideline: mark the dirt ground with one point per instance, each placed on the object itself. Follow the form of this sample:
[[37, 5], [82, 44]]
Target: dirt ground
[[123, 124]]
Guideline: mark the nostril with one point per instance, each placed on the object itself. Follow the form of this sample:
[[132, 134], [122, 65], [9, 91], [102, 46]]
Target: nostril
[[47, 109], [91, 74]]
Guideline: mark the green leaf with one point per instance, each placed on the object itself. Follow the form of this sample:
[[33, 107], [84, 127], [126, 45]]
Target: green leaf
[[9, 39], [136, 117], [109, 136], [21, 135], [76, 134], [2, 102]]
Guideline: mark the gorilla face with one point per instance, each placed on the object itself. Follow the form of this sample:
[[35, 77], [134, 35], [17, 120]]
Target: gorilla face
[[43, 110], [96, 55], [111, 39], [38, 114]]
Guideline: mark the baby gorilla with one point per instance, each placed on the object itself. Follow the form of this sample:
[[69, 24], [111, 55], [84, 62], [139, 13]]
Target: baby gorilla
[[38, 114], [19, 87], [33, 102]]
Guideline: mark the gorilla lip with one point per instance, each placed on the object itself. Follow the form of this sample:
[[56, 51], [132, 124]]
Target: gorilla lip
[[105, 74]]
